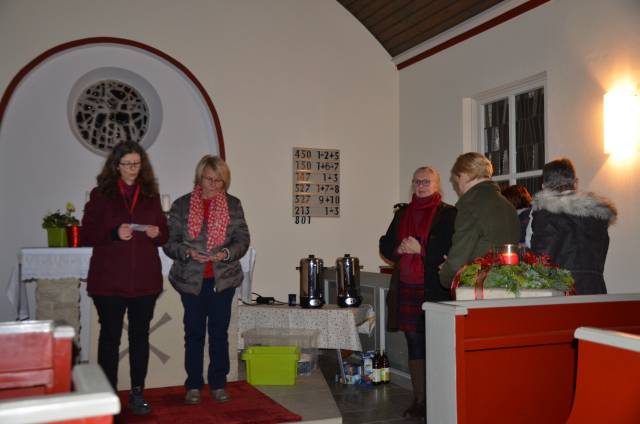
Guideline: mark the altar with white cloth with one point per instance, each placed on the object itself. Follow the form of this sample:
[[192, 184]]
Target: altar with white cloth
[[71, 265]]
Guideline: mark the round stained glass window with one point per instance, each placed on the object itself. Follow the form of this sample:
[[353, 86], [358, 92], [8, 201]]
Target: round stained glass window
[[110, 111], [109, 105]]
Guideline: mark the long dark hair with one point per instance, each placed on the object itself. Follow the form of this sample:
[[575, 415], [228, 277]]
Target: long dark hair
[[109, 176]]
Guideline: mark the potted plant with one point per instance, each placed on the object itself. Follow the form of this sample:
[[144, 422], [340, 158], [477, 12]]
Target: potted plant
[[57, 224]]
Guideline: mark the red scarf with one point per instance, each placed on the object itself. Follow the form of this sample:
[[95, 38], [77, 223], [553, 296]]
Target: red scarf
[[412, 266], [217, 221], [129, 194]]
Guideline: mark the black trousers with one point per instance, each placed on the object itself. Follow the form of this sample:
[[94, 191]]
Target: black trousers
[[415, 344], [111, 310]]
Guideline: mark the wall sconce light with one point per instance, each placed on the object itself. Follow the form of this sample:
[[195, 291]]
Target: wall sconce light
[[621, 122]]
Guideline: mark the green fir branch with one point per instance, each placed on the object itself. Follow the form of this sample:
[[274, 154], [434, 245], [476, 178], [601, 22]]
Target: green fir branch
[[518, 277]]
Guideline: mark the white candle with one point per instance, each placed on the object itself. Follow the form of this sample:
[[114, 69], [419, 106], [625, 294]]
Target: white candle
[[166, 202]]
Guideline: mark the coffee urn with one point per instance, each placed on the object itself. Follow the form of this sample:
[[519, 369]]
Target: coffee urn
[[311, 282], [348, 273]]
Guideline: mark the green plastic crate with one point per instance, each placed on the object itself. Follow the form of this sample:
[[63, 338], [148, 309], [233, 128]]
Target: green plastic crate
[[272, 365]]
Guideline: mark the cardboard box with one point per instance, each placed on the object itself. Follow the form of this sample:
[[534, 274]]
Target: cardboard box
[[352, 373]]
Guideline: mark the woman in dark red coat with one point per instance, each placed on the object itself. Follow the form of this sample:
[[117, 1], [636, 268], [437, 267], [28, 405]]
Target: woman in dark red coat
[[124, 223]]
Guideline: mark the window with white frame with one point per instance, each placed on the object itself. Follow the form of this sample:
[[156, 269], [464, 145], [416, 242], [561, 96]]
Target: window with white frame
[[512, 132]]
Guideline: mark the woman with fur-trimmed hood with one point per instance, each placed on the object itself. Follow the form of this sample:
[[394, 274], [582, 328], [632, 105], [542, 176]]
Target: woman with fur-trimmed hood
[[571, 227]]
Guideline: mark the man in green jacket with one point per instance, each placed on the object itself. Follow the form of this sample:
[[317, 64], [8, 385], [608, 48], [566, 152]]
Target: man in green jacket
[[485, 219]]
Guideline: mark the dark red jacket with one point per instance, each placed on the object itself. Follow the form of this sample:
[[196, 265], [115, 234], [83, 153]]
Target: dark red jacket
[[123, 268]]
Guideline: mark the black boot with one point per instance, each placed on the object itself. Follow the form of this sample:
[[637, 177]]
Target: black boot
[[137, 405], [417, 408]]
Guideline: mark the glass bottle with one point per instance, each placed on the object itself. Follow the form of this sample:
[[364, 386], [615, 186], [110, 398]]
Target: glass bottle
[[377, 371], [386, 375]]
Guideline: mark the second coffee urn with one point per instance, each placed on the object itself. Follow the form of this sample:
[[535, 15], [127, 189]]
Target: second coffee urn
[[348, 276]]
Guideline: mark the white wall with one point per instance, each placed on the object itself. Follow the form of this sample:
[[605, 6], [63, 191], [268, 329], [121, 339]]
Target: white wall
[[585, 46], [281, 73]]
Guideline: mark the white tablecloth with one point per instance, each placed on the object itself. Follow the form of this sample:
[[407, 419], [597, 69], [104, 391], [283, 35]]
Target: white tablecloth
[[339, 327], [60, 262]]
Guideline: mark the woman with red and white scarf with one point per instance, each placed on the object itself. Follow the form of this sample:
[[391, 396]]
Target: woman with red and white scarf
[[417, 240], [207, 237]]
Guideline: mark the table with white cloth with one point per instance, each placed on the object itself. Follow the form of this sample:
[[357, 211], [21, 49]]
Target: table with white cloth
[[339, 328], [37, 264]]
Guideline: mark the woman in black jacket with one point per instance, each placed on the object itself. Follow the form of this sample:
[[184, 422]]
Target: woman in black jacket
[[417, 240], [572, 227]]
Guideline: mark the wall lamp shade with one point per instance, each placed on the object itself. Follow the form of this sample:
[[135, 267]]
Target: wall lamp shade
[[621, 122]]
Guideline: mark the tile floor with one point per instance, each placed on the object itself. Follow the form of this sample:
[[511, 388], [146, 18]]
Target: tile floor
[[362, 404], [319, 399]]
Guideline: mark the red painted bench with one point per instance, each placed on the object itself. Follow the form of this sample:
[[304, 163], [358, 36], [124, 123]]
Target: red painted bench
[[513, 361], [608, 381], [35, 358], [92, 401], [37, 384]]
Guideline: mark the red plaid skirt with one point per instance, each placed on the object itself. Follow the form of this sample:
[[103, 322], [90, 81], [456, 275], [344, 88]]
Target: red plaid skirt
[[411, 298]]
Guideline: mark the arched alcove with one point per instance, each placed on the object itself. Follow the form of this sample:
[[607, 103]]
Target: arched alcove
[[42, 163]]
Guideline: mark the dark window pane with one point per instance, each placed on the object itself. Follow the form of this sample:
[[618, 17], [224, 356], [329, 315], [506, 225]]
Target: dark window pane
[[496, 135], [530, 130], [533, 184]]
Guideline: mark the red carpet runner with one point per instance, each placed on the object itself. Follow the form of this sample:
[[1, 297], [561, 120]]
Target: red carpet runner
[[247, 406]]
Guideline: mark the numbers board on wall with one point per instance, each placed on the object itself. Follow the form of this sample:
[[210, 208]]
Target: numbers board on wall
[[316, 184]]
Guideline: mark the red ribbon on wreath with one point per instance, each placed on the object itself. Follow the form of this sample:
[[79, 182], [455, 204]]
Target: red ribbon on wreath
[[532, 259], [485, 262]]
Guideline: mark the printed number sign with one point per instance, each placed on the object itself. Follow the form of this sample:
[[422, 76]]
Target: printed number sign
[[316, 184]]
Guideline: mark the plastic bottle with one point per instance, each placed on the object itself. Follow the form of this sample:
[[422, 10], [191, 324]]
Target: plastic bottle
[[367, 367], [386, 375]]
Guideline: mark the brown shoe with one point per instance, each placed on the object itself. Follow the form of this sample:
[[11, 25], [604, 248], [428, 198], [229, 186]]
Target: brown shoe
[[220, 395], [192, 397]]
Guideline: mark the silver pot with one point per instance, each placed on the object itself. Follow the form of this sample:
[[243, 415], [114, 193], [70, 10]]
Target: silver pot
[[348, 272], [311, 282]]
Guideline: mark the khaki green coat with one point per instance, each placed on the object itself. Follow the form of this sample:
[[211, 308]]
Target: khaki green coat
[[485, 219]]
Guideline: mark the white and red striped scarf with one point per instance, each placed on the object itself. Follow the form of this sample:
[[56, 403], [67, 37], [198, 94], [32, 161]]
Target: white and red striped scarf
[[217, 220]]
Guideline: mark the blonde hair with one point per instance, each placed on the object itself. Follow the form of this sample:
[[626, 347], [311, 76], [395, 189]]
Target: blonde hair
[[433, 172], [218, 165], [473, 164]]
